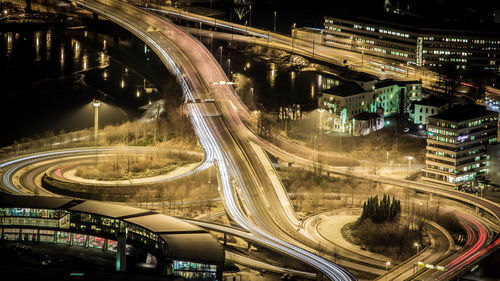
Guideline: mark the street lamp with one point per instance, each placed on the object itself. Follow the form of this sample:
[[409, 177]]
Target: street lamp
[[96, 104], [417, 245], [211, 43], [320, 126], [220, 55], [387, 264], [229, 67], [409, 164], [274, 29]]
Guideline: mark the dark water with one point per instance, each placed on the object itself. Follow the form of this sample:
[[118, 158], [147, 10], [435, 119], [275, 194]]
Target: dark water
[[275, 85], [49, 77]]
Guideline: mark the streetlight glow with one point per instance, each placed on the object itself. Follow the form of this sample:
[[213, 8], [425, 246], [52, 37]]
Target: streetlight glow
[[96, 104]]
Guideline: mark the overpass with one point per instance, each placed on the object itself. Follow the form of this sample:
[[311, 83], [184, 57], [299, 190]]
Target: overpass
[[220, 136]]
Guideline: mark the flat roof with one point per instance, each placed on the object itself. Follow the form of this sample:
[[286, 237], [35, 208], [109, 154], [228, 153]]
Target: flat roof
[[184, 240], [181, 246], [420, 25], [346, 89], [390, 82], [462, 113], [159, 223], [431, 101], [40, 202], [106, 209]]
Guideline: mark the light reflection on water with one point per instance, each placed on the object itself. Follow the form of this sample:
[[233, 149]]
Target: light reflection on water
[[47, 76]]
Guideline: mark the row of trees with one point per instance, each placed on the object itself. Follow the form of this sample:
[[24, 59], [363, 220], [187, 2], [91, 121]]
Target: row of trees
[[381, 211]]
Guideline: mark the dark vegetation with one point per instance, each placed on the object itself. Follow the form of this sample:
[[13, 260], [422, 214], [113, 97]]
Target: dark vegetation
[[381, 229], [383, 211]]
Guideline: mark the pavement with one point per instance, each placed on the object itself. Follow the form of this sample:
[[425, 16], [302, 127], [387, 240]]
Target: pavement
[[330, 225]]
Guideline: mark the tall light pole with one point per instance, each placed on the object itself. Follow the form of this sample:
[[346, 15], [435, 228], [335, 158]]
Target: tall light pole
[[229, 68], [409, 164], [320, 126], [417, 245], [96, 104], [211, 45], [274, 29], [250, 17], [387, 264], [220, 55]]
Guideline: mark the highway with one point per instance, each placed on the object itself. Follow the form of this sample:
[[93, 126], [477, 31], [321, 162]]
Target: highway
[[195, 69], [249, 196], [317, 50]]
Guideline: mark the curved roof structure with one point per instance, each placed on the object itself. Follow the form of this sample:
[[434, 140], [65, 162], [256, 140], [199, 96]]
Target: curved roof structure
[[184, 241]]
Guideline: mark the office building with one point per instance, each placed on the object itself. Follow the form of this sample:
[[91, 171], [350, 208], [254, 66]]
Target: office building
[[457, 143], [413, 45]]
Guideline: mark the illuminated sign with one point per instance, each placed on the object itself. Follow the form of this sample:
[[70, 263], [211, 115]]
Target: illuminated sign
[[430, 266], [461, 138], [430, 133]]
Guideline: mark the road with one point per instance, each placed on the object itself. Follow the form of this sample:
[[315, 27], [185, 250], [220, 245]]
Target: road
[[248, 195], [222, 137]]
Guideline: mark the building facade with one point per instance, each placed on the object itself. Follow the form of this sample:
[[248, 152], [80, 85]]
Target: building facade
[[180, 249], [457, 143], [426, 108], [493, 174], [395, 97], [341, 104], [413, 45]]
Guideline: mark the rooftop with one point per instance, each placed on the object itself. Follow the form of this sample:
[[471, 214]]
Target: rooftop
[[184, 240], [432, 101], [462, 113], [429, 26], [390, 82], [346, 89]]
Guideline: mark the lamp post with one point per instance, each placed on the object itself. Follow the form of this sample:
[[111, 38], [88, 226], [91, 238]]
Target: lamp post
[[220, 55], [229, 67], [387, 264], [417, 245], [320, 126], [274, 29], [409, 164], [211, 45], [96, 104]]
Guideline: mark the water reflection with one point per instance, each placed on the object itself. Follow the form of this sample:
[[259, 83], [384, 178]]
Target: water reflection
[[43, 66], [9, 43], [48, 44], [85, 59], [62, 57], [37, 46]]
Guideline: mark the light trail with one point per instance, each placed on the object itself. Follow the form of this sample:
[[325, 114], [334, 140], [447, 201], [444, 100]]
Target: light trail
[[212, 140]]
